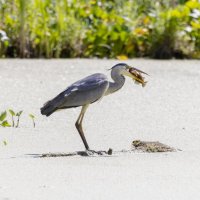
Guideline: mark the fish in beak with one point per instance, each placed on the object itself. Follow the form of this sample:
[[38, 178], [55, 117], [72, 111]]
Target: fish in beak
[[136, 75]]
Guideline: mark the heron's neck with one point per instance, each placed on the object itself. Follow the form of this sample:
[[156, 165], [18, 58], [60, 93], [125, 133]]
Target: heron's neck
[[119, 81]]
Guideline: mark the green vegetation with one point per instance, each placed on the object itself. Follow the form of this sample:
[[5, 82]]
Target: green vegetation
[[12, 115], [15, 118], [3, 121], [100, 28], [18, 117], [5, 142], [33, 119]]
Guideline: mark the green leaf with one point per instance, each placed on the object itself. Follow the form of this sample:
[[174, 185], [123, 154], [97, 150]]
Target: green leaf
[[12, 112], [31, 116], [19, 113], [3, 115], [5, 143], [5, 124]]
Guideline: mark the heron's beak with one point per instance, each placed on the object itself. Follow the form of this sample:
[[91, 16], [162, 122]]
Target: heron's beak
[[135, 74]]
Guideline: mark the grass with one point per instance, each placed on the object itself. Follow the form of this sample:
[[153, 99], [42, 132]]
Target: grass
[[71, 28]]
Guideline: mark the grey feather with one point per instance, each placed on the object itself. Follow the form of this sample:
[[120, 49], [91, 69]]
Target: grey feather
[[82, 92], [86, 91]]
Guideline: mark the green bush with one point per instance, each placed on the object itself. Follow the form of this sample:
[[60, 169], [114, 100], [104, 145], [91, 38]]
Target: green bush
[[100, 28]]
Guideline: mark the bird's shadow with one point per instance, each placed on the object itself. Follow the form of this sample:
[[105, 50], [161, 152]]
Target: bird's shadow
[[71, 154], [138, 147]]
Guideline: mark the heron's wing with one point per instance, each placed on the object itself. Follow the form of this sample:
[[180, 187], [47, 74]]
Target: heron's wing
[[88, 83], [86, 90], [82, 92]]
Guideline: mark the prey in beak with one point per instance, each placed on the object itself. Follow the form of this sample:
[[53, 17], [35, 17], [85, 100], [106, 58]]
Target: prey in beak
[[136, 75]]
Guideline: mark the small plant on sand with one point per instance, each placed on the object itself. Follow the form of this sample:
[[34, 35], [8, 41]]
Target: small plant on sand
[[5, 143], [18, 117], [3, 121], [15, 118], [13, 115], [33, 119]]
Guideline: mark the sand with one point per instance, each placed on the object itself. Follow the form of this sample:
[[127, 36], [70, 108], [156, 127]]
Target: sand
[[166, 110]]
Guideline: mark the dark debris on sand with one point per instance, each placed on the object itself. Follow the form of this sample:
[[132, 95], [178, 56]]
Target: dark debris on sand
[[151, 147], [137, 146]]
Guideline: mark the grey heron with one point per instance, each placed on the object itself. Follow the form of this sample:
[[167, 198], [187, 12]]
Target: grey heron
[[89, 90]]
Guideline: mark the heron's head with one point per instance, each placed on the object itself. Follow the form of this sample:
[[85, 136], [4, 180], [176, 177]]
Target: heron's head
[[131, 72]]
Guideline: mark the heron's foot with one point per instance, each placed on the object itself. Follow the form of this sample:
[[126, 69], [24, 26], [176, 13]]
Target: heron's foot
[[93, 152]]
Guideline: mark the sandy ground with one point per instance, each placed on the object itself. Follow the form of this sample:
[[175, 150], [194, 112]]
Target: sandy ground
[[167, 110]]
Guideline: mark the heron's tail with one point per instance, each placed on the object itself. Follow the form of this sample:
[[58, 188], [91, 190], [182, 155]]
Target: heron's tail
[[52, 105], [48, 108]]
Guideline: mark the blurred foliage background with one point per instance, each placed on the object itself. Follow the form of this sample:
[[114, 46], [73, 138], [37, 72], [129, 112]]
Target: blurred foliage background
[[120, 29]]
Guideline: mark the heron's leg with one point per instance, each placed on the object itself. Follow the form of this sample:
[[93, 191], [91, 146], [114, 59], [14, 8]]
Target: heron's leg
[[78, 125]]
